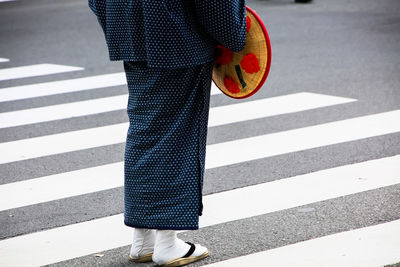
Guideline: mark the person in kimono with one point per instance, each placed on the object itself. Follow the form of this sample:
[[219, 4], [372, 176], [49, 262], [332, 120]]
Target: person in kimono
[[167, 48]]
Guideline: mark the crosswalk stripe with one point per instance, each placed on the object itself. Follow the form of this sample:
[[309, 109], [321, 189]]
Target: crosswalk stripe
[[370, 246], [272, 106], [60, 87], [63, 185], [62, 111], [218, 154], [34, 70], [97, 178], [219, 115], [68, 86], [4, 59], [268, 145], [84, 238], [61, 143]]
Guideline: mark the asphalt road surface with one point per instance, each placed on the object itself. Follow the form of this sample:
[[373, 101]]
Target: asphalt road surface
[[304, 173]]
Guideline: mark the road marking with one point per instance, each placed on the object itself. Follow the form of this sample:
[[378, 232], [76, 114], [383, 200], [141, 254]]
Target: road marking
[[220, 115], [60, 87], [62, 185], [4, 59], [269, 145], [68, 86], [63, 111], [62, 142], [221, 154], [370, 246], [84, 238], [272, 106], [34, 70]]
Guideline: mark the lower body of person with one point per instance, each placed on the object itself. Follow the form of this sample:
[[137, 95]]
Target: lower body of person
[[164, 160]]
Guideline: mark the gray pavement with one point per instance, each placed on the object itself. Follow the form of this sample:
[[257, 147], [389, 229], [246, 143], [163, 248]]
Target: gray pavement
[[346, 48]]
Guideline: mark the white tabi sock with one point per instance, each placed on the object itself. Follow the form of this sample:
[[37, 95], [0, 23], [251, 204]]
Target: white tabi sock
[[169, 247], [143, 242]]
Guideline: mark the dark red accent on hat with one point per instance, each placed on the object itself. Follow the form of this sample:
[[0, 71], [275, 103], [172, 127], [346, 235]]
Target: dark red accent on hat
[[231, 86], [248, 23], [224, 55]]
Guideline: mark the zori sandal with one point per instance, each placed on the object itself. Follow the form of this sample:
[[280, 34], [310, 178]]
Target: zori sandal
[[188, 258], [144, 258]]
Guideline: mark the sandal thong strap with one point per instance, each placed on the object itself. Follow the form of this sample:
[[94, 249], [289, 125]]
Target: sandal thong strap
[[191, 250]]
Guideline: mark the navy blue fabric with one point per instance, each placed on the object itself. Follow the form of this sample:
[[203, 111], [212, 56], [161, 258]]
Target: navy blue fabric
[[166, 145], [170, 33]]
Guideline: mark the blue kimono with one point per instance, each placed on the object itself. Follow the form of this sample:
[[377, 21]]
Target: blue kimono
[[167, 48]]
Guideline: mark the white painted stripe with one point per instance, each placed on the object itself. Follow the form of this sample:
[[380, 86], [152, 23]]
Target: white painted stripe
[[215, 90], [34, 70], [272, 106], [219, 115], [221, 154], [60, 87], [63, 111], [269, 145], [371, 246], [63, 185], [4, 59], [84, 238], [68, 86], [70, 141]]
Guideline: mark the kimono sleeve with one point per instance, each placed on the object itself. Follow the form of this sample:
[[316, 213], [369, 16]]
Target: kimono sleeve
[[98, 7], [224, 21]]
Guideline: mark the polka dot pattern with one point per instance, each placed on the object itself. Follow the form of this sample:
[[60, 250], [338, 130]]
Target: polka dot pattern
[[166, 145], [170, 33]]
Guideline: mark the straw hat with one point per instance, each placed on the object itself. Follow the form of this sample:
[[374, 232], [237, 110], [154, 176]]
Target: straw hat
[[241, 74]]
